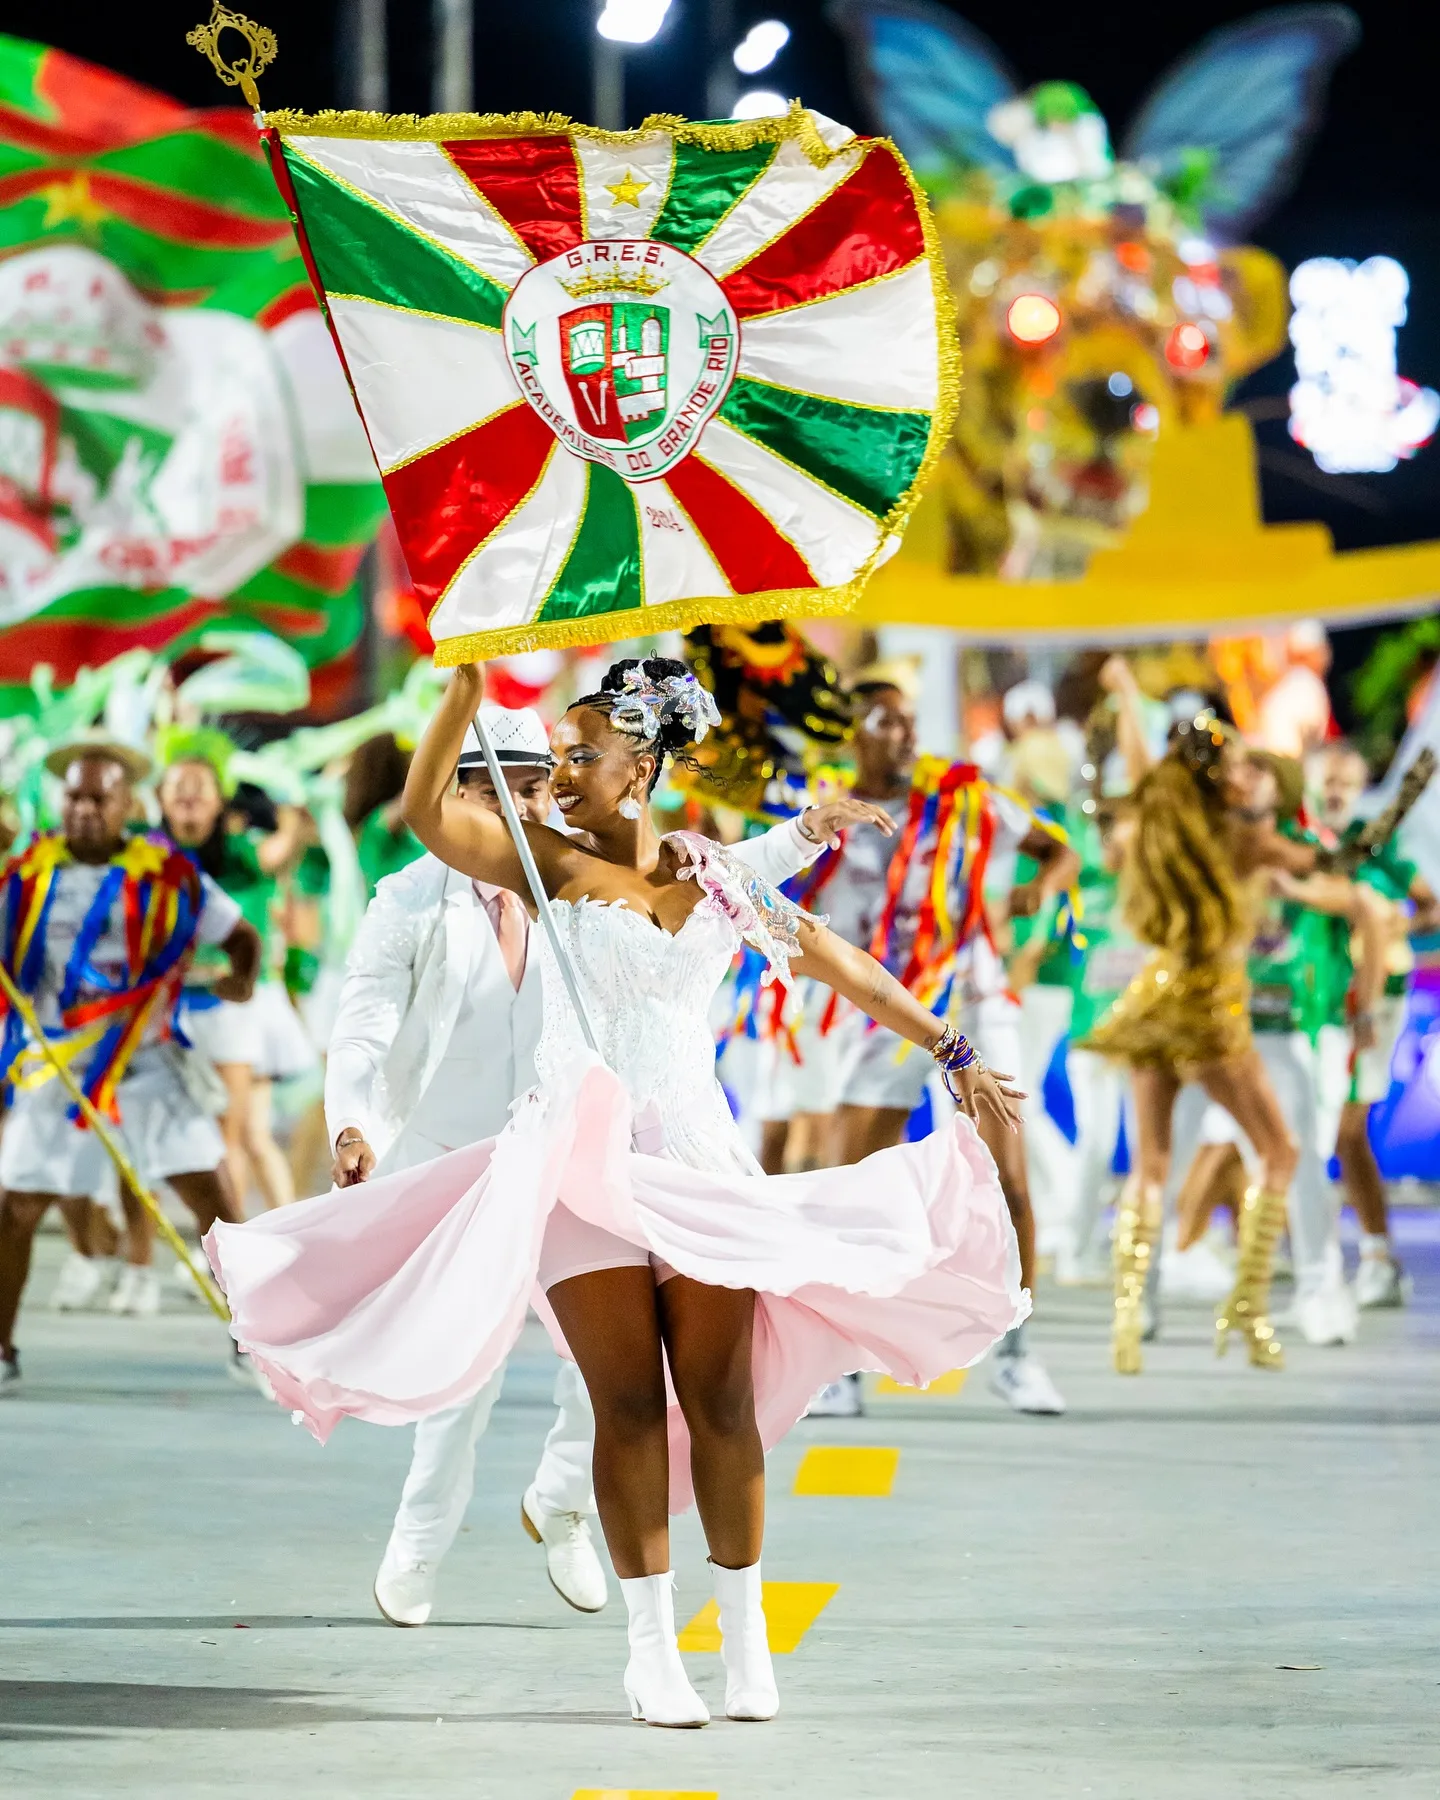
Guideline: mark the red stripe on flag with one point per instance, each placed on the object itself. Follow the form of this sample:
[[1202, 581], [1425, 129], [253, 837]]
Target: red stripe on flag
[[100, 107], [448, 501], [531, 182], [298, 299], [331, 571], [69, 645], [153, 209], [866, 228], [752, 554], [189, 221]]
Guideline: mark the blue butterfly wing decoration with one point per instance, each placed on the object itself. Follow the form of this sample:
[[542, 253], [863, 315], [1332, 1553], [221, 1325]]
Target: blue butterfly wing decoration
[[1251, 97], [928, 80]]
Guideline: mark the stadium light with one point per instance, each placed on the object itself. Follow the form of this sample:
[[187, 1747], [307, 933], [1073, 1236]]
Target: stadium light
[[632, 21], [759, 103], [760, 46]]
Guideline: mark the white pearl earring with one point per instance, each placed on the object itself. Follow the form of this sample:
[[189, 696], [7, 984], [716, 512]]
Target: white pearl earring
[[629, 807]]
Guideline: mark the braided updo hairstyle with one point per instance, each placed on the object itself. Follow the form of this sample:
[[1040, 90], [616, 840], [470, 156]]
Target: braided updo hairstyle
[[675, 737]]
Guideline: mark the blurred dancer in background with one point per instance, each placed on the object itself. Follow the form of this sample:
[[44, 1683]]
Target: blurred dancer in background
[[918, 905], [68, 898], [1352, 1083]]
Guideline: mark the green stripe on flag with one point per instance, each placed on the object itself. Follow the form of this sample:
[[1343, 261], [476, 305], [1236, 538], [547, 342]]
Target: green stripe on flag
[[100, 439], [340, 513], [361, 249], [201, 168], [19, 72], [868, 454], [602, 572], [262, 277], [164, 264], [704, 185]]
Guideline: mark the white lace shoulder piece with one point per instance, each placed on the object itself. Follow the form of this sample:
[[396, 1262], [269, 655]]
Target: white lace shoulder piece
[[761, 914]]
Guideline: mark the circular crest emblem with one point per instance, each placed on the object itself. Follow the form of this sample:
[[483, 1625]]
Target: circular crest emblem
[[625, 347]]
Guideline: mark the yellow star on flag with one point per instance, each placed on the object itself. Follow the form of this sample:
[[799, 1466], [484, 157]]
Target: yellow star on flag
[[627, 191], [71, 199]]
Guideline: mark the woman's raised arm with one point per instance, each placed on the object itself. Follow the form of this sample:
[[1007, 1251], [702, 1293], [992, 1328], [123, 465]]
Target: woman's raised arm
[[859, 978], [469, 838]]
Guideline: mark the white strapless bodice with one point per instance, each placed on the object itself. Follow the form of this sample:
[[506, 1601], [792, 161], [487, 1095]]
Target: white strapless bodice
[[648, 993]]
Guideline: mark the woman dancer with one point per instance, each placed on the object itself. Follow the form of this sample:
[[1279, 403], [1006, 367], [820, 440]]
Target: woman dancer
[[1194, 873], [677, 1256]]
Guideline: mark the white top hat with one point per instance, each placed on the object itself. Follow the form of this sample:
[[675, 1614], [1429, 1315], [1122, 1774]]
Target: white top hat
[[515, 737]]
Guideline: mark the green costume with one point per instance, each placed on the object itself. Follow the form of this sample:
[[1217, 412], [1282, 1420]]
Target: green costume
[[384, 852]]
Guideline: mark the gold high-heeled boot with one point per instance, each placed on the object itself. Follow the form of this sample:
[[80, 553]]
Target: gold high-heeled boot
[[1130, 1254], [1247, 1310]]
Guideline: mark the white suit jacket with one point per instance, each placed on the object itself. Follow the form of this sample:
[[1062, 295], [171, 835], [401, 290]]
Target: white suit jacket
[[424, 938]]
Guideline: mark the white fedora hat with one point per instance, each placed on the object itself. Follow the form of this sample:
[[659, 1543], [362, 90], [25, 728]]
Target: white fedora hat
[[517, 736]]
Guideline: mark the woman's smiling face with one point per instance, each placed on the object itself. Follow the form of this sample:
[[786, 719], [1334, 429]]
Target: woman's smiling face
[[595, 768]]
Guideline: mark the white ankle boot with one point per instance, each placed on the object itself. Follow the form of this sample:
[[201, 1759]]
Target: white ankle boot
[[750, 1691], [655, 1679]]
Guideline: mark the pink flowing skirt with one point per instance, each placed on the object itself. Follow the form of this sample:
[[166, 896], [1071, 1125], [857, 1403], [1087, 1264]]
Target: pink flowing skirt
[[395, 1299]]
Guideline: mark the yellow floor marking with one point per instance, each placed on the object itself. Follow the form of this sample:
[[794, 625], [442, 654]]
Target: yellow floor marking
[[942, 1384], [791, 1608], [641, 1794], [829, 1469]]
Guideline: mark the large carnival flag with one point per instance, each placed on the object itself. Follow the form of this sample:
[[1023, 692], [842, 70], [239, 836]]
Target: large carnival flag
[[178, 451], [619, 382]]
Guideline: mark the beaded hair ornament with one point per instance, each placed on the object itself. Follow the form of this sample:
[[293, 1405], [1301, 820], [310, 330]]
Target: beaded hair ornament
[[643, 707]]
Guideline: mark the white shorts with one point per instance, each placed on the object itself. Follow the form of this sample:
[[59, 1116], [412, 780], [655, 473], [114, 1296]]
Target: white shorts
[[881, 1069], [264, 1031], [572, 1246], [784, 1087], [162, 1130], [1369, 1080]]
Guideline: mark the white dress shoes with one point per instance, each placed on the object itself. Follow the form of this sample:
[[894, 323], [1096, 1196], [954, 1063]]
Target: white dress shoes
[[405, 1587], [656, 1684], [750, 1690], [570, 1557]]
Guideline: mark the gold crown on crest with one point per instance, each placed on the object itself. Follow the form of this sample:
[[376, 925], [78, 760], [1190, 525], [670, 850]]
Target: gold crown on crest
[[615, 282]]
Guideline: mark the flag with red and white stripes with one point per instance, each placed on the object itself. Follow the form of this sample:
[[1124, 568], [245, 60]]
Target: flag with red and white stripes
[[624, 382]]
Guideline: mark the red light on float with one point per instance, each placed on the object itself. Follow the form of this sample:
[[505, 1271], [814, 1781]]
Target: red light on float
[[1187, 347], [1032, 318]]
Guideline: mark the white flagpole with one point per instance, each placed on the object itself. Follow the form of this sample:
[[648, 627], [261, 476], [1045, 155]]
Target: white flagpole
[[537, 887]]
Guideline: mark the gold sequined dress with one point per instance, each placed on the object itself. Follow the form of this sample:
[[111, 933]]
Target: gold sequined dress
[[1180, 1015]]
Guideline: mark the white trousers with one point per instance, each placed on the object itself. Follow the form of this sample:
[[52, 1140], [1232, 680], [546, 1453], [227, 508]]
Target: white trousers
[[442, 1465], [1044, 1019], [1100, 1089]]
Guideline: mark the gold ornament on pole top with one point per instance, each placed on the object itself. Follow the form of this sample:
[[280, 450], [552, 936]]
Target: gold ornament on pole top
[[243, 72]]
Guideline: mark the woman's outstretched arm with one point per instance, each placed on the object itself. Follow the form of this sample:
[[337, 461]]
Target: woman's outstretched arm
[[859, 978], [468, 838]]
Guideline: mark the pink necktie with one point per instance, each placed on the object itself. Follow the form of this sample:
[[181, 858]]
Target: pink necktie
[[511, 932]]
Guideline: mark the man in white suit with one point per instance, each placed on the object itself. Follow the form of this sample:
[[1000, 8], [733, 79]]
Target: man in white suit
[[434, 1038]]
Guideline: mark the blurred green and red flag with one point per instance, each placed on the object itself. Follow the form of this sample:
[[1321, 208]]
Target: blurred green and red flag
[[178, 448]]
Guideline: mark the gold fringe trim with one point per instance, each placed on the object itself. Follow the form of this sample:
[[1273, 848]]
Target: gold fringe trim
[[641, 621], [795, 125]]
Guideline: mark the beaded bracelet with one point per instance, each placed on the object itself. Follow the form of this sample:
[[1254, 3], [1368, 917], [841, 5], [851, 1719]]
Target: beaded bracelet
[[955, 1053]]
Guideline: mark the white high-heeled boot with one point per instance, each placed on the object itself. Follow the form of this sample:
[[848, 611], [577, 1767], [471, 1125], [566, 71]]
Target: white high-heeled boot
[[750, 1691], [655, 1679]]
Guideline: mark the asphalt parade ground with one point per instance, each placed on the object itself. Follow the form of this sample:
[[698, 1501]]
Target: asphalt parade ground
[[1208, 1582]]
